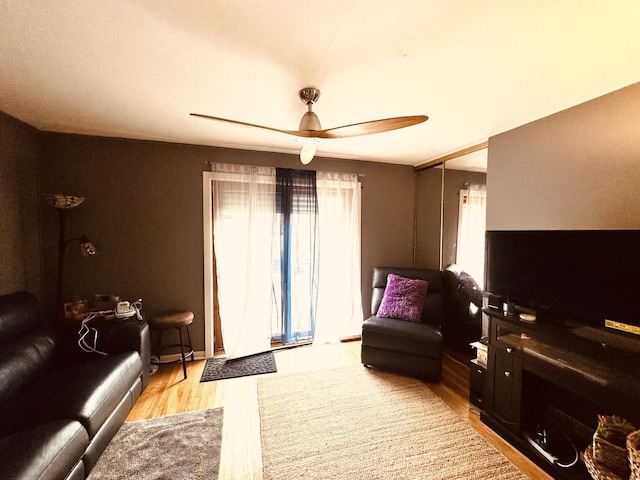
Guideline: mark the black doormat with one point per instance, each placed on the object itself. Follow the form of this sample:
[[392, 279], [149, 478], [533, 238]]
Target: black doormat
[[221, 368]]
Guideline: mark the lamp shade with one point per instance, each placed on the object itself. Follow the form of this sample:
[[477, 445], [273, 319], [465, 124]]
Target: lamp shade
[[62, 201], [86, 247]]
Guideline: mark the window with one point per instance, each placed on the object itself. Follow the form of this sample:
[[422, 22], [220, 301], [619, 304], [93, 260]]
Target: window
[[471, 231]]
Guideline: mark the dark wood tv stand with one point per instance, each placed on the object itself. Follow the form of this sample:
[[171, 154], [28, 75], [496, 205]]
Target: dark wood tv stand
[[558, 374]]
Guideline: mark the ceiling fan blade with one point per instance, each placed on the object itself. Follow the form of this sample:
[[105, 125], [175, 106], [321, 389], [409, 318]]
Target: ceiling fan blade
[[368, 128], [297, 133], [357, 129]]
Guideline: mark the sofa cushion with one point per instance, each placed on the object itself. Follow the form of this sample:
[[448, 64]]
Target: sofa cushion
[[403, 298], [26, 342], [87, 393], [19, 313], [23, 359], [47, 451], [96, 389], [404, 337]]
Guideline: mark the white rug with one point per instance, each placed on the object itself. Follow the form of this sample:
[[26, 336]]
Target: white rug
[[357, 423]]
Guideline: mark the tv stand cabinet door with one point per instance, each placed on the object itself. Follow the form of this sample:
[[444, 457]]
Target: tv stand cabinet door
[[505, 374]]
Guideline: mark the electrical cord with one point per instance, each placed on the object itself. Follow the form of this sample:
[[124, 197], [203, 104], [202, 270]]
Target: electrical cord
[[577, 455], [88, 341], [540, 442], [475, 411]]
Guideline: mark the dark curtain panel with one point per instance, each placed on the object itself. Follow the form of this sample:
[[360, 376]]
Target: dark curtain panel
[[297, 217]]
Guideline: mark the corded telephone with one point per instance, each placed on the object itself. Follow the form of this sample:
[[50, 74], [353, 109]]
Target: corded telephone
[[124, 310]]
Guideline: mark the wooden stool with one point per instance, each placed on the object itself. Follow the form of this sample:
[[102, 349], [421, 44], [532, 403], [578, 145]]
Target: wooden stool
[[174, 319]]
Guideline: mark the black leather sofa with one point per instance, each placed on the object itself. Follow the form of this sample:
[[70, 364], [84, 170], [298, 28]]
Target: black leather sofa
[[60, 406], [415, 348]]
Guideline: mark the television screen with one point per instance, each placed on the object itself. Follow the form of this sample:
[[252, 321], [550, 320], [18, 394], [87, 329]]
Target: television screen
[[582, 275]]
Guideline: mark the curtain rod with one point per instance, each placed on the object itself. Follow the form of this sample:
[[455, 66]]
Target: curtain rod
[[208, 163]]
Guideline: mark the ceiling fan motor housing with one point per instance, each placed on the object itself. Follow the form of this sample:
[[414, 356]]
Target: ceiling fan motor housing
[[310, 120]]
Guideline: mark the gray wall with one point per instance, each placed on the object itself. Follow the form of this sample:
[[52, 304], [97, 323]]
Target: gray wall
[[143, 211], [20, 265], [578, 169]]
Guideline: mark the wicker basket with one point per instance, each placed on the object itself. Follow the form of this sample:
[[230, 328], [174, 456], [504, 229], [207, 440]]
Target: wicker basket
[[611, 456], [633, 450], [597, 470]]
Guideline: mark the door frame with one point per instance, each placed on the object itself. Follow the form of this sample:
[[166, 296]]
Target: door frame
[[207, 232]]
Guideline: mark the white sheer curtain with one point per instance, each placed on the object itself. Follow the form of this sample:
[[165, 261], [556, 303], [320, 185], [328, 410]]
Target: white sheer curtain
[[244, 214], [246, 243], [471, 231], [339, 311]]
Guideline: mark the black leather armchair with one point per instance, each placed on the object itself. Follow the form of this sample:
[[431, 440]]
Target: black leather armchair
[[412, 348]]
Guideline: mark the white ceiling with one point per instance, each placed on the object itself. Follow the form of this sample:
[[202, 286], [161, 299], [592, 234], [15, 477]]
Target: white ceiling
[[137, 68]]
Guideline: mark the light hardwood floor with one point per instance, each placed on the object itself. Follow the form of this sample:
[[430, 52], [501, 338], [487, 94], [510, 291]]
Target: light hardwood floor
[[241, 455]]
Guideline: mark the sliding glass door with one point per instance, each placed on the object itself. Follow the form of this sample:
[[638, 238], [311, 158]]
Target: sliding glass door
[[286, 245]]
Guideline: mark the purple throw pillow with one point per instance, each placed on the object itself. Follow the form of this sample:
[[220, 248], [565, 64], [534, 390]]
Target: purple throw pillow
[[403, 298]]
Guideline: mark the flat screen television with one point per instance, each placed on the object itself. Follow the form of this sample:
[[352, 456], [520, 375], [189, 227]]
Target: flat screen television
[[585, 276]]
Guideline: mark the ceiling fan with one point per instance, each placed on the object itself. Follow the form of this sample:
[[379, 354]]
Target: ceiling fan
[[310, 130]]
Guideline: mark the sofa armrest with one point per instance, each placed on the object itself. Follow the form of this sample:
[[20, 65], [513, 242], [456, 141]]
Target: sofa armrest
[[131, 335]]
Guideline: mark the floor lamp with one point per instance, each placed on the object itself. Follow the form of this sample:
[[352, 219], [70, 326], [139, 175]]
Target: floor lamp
[[64, 203]]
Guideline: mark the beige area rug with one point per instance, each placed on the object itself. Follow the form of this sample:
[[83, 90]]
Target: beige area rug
[[357, 423], [184, 446]]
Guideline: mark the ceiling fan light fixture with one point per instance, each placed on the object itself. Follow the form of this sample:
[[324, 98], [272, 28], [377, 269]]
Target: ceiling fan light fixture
[[308, 150], [307, 153], [309, 121]]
